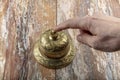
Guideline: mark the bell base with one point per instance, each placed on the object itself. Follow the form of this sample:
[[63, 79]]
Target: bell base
[[54, 63]]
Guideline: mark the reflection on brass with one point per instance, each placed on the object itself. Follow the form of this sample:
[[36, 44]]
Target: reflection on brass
[[54, 50]]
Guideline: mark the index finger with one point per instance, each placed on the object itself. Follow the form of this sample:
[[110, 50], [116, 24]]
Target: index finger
[[76, 23]]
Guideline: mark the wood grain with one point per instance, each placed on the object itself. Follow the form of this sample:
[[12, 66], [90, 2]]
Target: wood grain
[[21, 23], [89, 64]]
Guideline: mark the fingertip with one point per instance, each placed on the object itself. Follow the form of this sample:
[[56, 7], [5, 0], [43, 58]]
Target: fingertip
[[60, 27], [57, 29], [54, 29]]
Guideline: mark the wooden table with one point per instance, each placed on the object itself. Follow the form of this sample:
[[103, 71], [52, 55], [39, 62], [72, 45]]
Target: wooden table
[[21, 23]]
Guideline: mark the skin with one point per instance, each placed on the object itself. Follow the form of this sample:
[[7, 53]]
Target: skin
[[98, 31]]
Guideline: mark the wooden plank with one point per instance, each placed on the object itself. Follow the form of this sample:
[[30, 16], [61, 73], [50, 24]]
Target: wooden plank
[[21, 23], [89, 64]]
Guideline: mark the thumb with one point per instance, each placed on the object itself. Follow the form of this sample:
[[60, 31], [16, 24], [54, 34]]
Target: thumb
[[87, 39]]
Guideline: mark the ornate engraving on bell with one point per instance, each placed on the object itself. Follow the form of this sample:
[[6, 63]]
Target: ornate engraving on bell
[[54, 50]]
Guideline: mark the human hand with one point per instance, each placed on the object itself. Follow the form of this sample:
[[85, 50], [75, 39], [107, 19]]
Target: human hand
[[98, 31]]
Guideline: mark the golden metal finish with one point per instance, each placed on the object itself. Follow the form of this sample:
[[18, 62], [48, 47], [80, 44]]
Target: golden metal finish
[[54, 50]]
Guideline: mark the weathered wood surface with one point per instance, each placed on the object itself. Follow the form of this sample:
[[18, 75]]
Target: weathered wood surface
[[89, 64], [21, 23]]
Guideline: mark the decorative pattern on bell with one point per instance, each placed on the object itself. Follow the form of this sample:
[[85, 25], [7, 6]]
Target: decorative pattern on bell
[[54, 50]]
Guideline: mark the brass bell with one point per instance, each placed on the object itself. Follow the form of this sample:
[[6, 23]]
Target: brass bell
[[54, 50]]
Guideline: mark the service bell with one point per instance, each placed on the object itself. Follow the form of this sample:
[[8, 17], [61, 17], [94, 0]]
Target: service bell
[[54, 50]]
